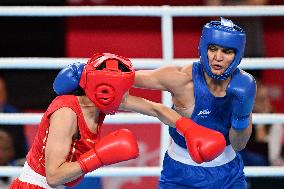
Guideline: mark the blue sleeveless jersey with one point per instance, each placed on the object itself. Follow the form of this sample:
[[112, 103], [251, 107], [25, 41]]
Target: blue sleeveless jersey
[[209, 111]]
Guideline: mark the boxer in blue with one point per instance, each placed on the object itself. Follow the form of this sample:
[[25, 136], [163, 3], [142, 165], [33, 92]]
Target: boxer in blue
[[216, 94]]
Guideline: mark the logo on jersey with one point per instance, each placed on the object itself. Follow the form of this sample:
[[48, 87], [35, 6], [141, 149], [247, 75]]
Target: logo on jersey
[[204, 113]]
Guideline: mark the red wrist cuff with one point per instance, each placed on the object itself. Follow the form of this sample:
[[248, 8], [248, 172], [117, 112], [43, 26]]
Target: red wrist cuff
[[89, 161], [183, 124]]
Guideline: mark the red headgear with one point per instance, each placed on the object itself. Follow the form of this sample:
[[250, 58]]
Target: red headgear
[[105, 79]]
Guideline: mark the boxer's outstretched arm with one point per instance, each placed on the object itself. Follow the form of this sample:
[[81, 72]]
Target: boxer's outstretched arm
[[239, 138], [165, 78], [203, 144], [63, 125], [146, 107]]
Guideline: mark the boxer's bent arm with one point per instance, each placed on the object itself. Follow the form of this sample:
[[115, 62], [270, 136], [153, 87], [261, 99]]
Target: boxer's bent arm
[[63, 125], [239, 138], [164, 79], [146, 107]]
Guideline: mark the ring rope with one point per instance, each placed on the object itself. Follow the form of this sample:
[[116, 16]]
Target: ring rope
[[253, 171], [125, 118], [139, 63]]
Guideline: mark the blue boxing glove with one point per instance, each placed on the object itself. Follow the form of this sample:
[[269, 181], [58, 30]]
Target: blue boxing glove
[[68, 79], [242, 88]]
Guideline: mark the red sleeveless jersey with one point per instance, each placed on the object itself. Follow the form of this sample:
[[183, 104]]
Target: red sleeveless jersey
[[87, 139]]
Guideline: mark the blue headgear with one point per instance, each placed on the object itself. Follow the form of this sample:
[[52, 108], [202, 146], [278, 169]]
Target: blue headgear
[[226, 34]]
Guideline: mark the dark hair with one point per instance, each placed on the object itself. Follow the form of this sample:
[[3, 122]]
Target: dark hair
[[79, 92], [121, 66]]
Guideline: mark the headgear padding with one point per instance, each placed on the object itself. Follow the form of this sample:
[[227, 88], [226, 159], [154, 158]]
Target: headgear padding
[[226, 34], [105, 79]]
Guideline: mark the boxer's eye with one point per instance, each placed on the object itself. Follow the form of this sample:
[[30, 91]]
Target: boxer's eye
[[212, 48], [228, 51]]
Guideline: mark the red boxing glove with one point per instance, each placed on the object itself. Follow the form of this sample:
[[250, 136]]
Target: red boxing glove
[[203, 144], [117, 146]]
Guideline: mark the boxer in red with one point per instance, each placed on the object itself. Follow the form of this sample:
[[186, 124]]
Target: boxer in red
[[68, 143]]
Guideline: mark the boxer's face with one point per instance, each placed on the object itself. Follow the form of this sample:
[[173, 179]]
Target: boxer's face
[[219, 58]]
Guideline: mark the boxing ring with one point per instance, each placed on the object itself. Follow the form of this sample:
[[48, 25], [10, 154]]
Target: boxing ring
[[166, 14]]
